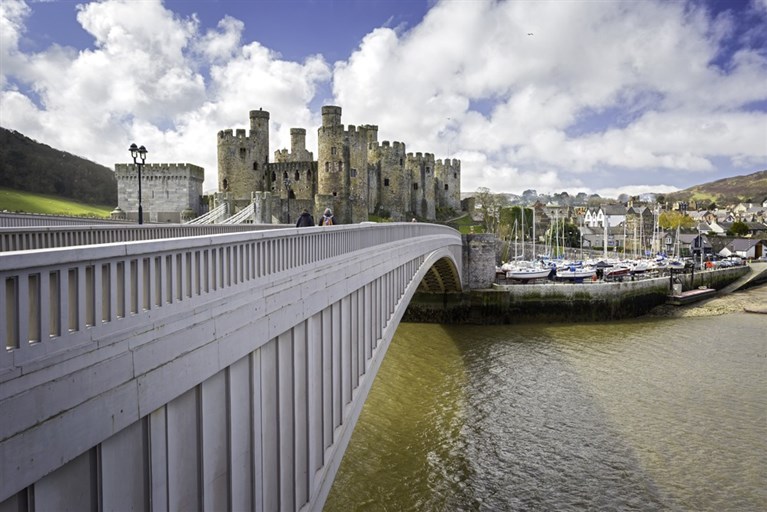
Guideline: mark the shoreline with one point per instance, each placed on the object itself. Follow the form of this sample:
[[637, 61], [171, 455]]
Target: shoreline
[[587, 302], [750, 300]]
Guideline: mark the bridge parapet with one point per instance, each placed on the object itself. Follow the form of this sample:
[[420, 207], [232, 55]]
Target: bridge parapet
[[50, 237], [98, 338]]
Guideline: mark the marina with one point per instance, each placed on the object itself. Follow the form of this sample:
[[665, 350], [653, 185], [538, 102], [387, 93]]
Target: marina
[[545, 300]]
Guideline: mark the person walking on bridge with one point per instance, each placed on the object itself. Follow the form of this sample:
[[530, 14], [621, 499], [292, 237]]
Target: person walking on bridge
[[327, 218], [305, 220]]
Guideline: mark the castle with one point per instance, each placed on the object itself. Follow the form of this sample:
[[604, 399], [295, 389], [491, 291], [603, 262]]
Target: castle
[[355, 175]]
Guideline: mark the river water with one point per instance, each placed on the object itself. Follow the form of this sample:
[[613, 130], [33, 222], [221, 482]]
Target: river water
[[666, 412]]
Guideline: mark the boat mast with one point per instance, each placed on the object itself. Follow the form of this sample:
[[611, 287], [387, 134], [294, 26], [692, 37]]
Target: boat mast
[[524, 229], [516, 238], [534, 240]]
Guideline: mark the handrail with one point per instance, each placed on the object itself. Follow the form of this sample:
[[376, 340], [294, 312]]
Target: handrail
[[212, 216], [241, 216], [53, 300], [23, 239]]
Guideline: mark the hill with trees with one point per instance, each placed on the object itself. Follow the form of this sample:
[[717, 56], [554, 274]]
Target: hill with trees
[[751, 188], [28, 165]]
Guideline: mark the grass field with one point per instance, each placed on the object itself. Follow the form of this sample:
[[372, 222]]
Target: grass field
[[466, 225], [17, 201]]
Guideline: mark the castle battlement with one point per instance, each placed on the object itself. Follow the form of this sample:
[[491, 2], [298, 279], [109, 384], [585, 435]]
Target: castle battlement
[[263, 114], [354, 173], [229, 136], [185, 170], [278, 167], [447, 162], [396, 146], [421, 157]]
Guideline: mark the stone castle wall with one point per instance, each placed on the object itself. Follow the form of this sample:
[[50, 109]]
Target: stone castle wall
[[447, 174], [167, 190], [354, 174], [393, 183]]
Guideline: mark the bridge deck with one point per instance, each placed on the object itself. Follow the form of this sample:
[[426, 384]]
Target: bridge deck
[[223, 371]]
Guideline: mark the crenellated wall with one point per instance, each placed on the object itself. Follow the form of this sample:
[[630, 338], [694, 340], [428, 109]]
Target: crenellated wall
[[393, 187], [421, 169], [354, 174], [447, 176], [243, 159], [167, 190]]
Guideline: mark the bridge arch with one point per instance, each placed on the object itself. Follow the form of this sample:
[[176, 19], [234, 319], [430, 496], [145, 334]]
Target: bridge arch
[[209, 372]]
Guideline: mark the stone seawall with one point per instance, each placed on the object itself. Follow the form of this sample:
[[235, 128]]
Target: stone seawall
[[557, 302]]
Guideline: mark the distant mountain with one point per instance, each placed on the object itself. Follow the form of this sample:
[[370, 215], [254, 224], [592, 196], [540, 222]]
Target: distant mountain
[[751, 188], [26, 164]]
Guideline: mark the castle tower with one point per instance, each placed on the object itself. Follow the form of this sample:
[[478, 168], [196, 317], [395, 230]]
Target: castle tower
[[259, 134], [448, 184], [358, 173], [297, 140], [298, 152], [331, 116], [420, 167], [242, 159], [170, 191], [387, 162], [342, 168], [331, 161]]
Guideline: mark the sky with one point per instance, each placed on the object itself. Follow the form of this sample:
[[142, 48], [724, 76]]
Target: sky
[[595, 96]]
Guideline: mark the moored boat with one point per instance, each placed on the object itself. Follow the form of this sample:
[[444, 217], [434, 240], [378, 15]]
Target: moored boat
[[575, 273], [527, 274]]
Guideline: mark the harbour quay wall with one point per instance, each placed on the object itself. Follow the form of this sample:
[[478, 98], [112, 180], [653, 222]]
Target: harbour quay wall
[[558, 302]]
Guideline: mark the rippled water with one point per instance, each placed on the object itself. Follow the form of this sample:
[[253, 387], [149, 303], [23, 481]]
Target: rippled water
[[653, 414]]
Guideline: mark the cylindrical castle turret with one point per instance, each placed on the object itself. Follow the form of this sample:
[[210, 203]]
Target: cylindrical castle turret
[[332, 162], [259, 158], [331, 116], [297, 140]]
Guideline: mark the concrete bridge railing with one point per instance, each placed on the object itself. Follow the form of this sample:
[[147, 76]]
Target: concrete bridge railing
[[50, 237], [212, 372]]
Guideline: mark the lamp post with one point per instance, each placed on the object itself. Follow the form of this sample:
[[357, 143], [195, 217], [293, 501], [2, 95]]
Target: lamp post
[[287, 184], [139, 153]]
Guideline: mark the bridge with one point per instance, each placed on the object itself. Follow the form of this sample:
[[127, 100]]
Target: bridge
[[197, 367]]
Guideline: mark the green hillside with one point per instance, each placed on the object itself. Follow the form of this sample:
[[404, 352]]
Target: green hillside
[[751, 188], [26, 164], [20, 201]]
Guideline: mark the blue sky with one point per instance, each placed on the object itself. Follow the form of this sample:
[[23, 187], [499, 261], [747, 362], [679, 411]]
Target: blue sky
[[606, 97]]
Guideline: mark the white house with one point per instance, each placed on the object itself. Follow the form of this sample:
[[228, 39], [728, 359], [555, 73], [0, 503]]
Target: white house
[[747, 248], [610, 214]]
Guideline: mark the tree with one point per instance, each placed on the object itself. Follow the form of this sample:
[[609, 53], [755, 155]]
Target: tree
[[594, 200], [738, 228], [490, 206], [512, 216], [672, 219], [572, 235]]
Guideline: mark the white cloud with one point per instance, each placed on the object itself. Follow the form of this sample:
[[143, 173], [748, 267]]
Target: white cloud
[[224, 44], [648, 62], [143, 82], [599, 92]]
